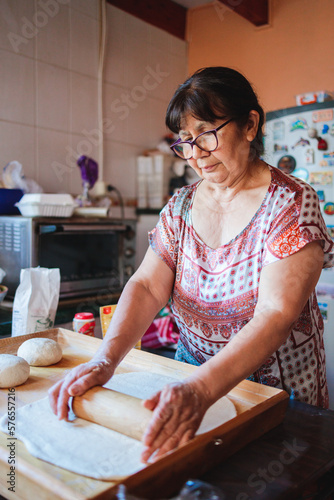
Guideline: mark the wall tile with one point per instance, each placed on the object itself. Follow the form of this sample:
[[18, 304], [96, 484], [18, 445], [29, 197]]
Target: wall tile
[[156, 127], [160, 64], [53, 171], [84, 48], [179, 71], [55, 90], [120, 167], [116, 112], [136, 57], [17, 97], [114, 64], [88, 7], [114, 69], [52, 97], [138, 124], [17, 30], [52, 42], [84, 103], [136, 28], [159, 38], [178, 46], [18, 143]]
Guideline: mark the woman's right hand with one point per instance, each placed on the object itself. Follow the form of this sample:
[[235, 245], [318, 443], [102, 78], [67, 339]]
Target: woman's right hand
[[77, 382]]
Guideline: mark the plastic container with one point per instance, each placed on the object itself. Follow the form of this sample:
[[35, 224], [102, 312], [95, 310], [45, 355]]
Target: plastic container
[[46, 205], [84, 323], [8, 200], [313, 97]]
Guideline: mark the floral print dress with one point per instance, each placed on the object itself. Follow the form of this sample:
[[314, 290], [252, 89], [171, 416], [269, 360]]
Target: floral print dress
[[216, 290]]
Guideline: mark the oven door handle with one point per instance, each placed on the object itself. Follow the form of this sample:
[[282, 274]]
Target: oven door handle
[[92, 227], [73, 228]]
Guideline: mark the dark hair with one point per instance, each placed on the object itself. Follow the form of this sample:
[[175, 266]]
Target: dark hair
[[216, 93]]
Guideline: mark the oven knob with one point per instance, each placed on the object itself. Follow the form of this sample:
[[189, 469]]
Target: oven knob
[[129, 252], [129, 233], [128, 271]]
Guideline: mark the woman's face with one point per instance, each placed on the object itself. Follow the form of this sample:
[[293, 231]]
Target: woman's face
[[230, 160]]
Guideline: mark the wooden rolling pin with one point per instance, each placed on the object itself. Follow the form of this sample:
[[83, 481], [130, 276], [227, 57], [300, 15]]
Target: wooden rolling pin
[[112, 409]]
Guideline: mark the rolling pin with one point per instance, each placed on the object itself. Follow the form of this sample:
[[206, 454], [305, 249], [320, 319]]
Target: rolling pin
[[112, 409]]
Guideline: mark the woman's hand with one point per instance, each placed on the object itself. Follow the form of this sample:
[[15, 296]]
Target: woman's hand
[[77, 382], [178, 410]]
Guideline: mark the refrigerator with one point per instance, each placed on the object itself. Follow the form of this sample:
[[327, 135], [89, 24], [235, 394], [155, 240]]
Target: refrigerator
[[300, 141]]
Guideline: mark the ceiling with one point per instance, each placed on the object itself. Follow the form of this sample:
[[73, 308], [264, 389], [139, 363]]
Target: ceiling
[[255, 11], [171, 15]]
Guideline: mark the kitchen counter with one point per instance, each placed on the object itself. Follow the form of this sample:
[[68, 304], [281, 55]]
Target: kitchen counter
[[295, 460], [65, 311], [295, 457], [65, 314]]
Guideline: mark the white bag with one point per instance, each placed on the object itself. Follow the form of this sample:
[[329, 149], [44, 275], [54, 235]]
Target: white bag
[[36, 300]]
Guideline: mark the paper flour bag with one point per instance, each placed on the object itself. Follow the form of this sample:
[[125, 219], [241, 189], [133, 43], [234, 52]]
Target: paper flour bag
[[36, 300]]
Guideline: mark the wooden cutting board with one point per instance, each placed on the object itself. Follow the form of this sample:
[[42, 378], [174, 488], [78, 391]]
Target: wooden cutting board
[[259, 409]]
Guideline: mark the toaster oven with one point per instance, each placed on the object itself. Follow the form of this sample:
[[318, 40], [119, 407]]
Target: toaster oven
[[93, 255]]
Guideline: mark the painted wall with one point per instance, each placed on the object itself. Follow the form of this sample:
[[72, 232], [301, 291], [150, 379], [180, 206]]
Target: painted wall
[[49, 90], [291, 56]]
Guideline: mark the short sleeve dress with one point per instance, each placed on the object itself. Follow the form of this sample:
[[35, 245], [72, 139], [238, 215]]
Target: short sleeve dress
[[216, 290]]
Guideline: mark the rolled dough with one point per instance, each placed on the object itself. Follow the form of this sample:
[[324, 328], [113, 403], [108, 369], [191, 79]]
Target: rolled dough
[[40, 351], [89, 449], [13, 370]]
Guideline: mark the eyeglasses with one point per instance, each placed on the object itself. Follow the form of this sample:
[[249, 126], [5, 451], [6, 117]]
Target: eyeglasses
[[207, 141]]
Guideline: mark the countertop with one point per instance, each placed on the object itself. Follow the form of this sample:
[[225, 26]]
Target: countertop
[[295, 460], [65, 311]]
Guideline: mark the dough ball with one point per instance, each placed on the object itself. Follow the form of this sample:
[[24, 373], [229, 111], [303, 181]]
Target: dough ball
[[40, 352], [13, 370]]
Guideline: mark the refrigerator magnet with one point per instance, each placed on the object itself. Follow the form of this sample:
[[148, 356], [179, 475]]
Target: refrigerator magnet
[[330, 229], [323, 307], [325, 129], [327, 162], [322, 144], [299, 123], [321, 195], [329, 208], [278, 131], [301, 173], [331, 130], [287, 164], [280, 147], [301, 142], [321, 178], [312, 132], [323, 115], [309, 156]]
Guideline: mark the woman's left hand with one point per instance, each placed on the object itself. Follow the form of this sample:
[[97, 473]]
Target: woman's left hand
[[178, 410]]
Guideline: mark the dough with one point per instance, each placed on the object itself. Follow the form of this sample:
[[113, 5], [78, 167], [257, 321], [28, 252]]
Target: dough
[[13, 370], [89, 449], [79, 446], [40, 351]]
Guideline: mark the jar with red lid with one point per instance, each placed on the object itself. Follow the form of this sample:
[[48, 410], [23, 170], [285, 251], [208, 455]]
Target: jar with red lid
[[84, 322]]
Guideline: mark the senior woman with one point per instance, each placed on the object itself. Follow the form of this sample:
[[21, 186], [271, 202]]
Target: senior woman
[[240, 253]]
